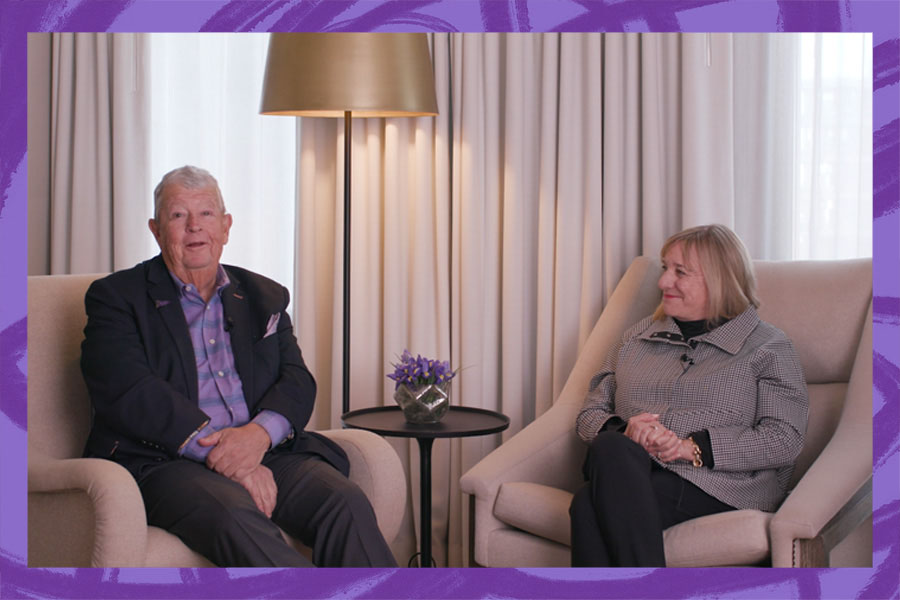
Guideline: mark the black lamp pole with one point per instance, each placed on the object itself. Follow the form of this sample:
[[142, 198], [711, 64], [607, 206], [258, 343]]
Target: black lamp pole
[[345, 386]]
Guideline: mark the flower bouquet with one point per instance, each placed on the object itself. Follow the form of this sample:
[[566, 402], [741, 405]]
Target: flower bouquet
[[422, 387]]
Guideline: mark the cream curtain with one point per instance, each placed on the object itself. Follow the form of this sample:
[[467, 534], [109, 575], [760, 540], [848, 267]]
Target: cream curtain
[[766, 69], [99, 152], [493, 234]]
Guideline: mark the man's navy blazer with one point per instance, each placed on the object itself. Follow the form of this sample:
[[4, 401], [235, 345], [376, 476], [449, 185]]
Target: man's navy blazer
[[138, 362]]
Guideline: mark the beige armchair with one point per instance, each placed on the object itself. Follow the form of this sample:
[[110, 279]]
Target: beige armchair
[[88, 512], [519, 494]]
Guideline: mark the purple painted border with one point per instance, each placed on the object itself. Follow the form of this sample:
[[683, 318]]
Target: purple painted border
[[18, 17]]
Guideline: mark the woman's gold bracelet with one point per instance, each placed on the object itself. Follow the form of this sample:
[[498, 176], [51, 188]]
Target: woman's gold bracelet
[[698, 459]]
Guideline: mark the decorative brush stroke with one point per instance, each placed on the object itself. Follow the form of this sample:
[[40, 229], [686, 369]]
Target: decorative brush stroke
[[885, 68], [324, 15], [612, 15], [886, 310], [886, 381], [813, 15], [12, 354], [885, 185], [506, 16]]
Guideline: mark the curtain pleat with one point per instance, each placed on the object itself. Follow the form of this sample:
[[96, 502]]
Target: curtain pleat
[[765, 96], [99, 158]]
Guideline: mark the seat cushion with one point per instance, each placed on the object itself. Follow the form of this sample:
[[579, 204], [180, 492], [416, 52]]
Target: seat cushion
[[733, 538], [508, 547], [167, 550], [737, 537]]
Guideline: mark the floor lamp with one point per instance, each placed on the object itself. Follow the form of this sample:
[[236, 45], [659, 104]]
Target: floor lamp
[[348, 75]]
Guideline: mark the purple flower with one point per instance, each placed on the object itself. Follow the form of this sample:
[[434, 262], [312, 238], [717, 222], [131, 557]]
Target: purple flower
[[420, 371]]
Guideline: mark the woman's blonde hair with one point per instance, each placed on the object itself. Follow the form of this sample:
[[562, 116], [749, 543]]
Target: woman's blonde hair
[[727, 269]]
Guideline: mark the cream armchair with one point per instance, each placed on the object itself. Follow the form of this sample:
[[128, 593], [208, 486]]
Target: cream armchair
[[88, 512], [519, 494]]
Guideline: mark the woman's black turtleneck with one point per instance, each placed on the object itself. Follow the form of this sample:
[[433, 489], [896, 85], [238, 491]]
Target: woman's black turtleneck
[[691, 329]]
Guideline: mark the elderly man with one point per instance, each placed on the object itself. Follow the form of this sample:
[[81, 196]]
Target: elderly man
[[200, 391]]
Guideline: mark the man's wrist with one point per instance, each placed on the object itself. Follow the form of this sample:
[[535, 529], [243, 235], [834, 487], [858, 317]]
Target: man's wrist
[[276, 425], [260, 432], [191, 449]]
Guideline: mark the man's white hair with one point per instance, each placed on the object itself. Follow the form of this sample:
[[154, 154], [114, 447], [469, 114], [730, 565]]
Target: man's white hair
[[188, 177]]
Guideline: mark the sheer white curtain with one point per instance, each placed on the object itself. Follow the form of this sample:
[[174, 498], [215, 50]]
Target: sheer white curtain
[[494, 233], [205, 112], [803, 144], [833, 146]]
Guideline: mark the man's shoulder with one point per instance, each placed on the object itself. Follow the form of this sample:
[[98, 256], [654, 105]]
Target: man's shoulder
[[247, 277], [256, 285], [130, 279]]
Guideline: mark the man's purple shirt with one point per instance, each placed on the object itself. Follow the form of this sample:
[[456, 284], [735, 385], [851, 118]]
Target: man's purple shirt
[[218, 382]]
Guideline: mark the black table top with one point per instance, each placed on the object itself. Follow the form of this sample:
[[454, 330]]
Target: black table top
[[459, 421]]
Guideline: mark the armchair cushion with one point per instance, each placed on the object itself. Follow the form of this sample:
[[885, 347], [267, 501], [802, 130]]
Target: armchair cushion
[[740, 536]]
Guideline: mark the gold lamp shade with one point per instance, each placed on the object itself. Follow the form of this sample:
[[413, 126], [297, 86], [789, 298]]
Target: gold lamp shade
[[348, 75], [368, 74]]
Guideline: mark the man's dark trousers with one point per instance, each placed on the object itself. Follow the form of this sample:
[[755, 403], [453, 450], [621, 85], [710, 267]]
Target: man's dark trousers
[[217, 517]]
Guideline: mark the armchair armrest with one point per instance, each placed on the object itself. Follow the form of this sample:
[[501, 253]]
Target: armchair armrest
[[547, 452], [810, 521], [84, 512], [376, 469], [535, 454]]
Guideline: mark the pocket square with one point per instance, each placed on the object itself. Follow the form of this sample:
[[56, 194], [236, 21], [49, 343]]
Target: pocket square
[[272, 325]]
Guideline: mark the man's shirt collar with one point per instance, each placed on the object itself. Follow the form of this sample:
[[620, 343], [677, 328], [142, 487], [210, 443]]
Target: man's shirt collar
[[184, 289]]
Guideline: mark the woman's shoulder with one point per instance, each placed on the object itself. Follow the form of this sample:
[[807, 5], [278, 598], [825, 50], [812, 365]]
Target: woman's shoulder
[[769, 331], [640, 327], [767, 338], [764, 331]]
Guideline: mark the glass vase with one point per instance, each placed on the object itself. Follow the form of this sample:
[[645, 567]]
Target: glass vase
[[425, 403]]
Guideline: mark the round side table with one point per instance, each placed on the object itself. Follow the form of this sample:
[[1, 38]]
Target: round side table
[[460, 421]]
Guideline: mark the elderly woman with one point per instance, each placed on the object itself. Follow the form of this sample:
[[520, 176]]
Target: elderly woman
[[700, 408]]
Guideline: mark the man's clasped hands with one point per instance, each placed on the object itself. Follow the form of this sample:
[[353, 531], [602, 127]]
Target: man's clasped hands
[[238, 454]]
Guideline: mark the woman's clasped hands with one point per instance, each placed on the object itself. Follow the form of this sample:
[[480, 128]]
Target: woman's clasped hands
[[658, 440]]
